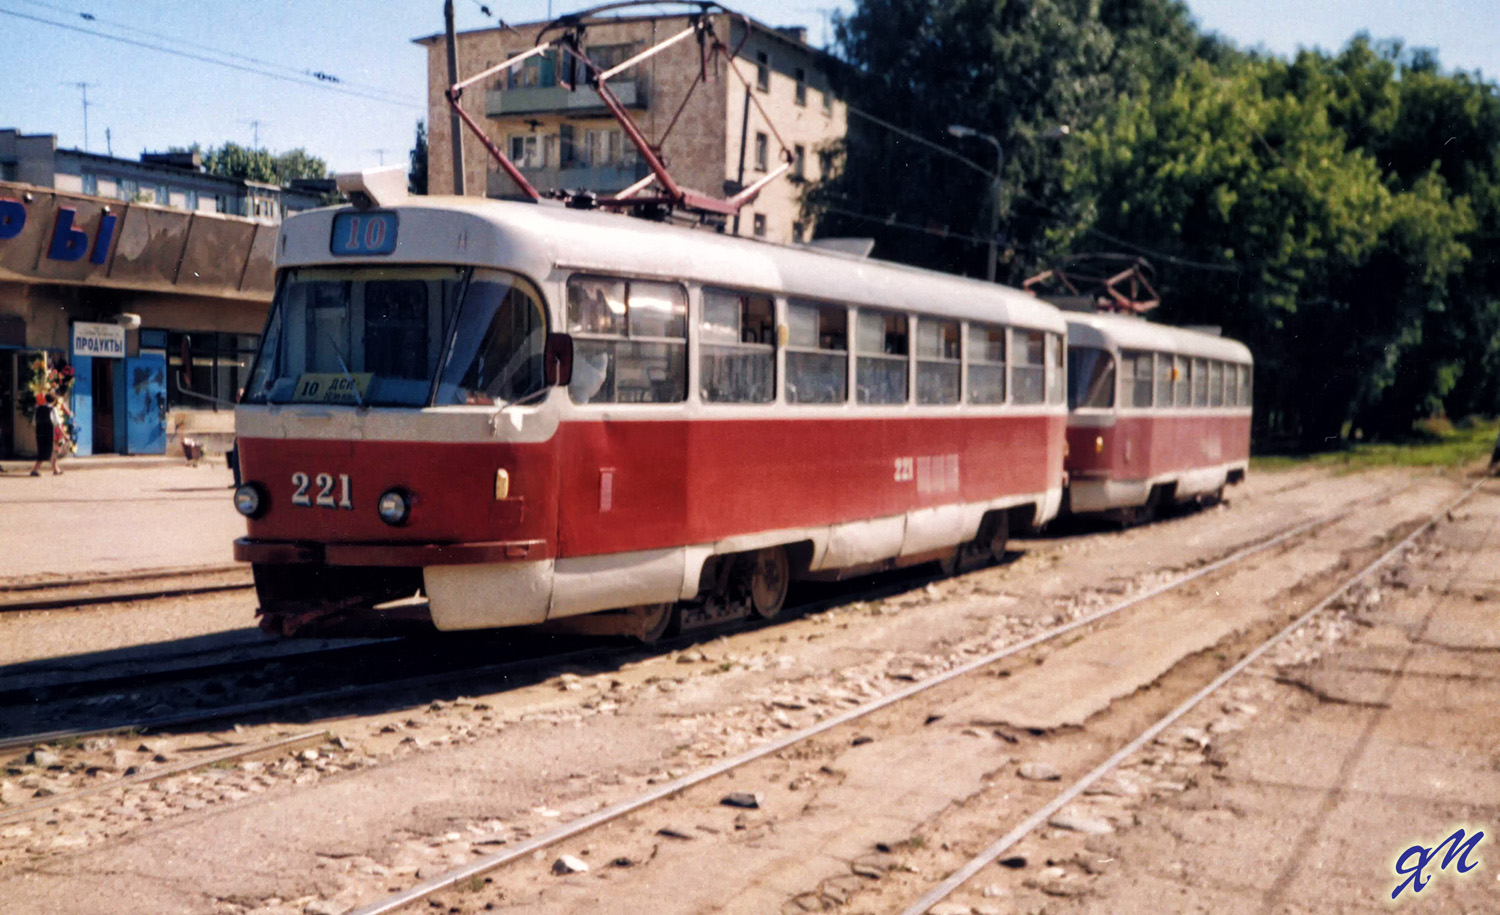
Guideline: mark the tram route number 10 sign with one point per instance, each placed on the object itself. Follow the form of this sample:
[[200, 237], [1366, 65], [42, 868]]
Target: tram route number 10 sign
[[363, 233], [331, 387]]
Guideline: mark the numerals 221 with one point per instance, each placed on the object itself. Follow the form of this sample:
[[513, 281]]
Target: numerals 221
[[303, 495]]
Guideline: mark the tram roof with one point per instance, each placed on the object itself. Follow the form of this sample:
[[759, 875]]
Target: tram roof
[[1128, 332], [537, 239]]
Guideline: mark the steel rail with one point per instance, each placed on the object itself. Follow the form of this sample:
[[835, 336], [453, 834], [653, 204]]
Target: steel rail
[[1006, 842], [109, 579], [117, 597], [156, 775], [600, 817]]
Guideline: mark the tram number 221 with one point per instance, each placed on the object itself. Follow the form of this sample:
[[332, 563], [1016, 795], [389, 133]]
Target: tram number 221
[[302, 485]]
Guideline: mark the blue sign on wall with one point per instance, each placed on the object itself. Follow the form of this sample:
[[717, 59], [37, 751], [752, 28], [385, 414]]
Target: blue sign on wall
[[363, 234]]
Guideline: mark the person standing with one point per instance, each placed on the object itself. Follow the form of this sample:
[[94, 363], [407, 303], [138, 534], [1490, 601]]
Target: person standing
[[46, 449]]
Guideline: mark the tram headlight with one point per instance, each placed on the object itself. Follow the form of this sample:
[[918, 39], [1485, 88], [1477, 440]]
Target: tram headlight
[[394, 507], [249, 500]]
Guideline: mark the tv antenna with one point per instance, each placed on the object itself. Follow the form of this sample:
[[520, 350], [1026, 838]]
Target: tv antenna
[[84, 88]]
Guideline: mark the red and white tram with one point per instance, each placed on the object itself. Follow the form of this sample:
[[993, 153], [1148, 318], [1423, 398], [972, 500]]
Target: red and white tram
[[1157, 415], [527, 413]]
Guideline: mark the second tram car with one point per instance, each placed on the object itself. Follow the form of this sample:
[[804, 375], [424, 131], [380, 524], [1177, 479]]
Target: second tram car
[[499, 413], [1157, 415]]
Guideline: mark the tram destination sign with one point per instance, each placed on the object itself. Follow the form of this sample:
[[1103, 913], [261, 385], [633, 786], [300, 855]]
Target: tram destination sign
[[99, 340]]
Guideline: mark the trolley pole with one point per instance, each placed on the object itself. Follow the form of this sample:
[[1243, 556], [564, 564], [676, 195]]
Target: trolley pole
[[455, 129]]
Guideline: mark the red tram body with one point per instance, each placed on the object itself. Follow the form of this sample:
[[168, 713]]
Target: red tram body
[[506, 413], [1157, 415]]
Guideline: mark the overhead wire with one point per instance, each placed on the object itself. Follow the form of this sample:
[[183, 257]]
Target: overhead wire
[[300, 79]]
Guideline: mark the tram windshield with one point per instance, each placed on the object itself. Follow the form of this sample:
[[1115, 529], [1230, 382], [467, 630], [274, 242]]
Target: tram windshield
[[404, 336], [1091, 378]]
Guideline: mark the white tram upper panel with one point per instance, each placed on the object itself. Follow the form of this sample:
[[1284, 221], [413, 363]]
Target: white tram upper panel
[[1126, 332], [537, 240]]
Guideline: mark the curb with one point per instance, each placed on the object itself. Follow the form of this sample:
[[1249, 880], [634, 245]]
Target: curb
[[20, 467]]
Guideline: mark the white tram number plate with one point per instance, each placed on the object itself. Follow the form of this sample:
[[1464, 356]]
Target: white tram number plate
[[309, 491]]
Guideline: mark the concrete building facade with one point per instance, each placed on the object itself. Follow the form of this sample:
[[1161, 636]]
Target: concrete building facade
[[720, 136]]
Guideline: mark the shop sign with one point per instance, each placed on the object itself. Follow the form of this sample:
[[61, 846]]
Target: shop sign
[[100, 340], [68, 243]]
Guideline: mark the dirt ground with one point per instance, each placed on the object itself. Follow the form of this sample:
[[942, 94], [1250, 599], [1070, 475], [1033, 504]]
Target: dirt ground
[[1296, 790]]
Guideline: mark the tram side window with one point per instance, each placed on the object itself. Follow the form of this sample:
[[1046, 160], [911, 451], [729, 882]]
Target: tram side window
[[880, 372], [1164, 374], [1139, 370], [986, 364], [817, 353], [938, 366], [1200, 382], [1180, 381], [630, 341], [1057, 378], [1245, 386], [1029, 367], [738, 352], [1091, 378], [497, 343], [1216, 384]]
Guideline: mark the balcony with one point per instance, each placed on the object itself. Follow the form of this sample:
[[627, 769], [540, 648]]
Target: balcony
[[602, 179], [499, 103]]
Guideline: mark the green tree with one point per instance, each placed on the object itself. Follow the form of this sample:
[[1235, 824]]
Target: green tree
[[416, 178], [1012, 69], [235, 161]]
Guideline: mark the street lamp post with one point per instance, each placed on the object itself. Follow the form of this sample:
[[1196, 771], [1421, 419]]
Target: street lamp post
[[960, 131]]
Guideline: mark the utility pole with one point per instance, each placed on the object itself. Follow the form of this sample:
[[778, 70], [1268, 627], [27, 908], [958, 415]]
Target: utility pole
[[455, 132], [84, 88]]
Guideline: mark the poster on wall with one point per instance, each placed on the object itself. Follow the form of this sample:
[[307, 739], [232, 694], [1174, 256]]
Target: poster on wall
[[146, 403]]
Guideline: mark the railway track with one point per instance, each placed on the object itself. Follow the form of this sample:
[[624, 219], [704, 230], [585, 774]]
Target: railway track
[[123, 588], [468, 875]]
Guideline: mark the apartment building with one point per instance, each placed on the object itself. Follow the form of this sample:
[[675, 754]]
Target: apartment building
[[173, 179], [715, 139]]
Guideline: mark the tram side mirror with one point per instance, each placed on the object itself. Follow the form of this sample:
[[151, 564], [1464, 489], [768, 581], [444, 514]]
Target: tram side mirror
[[558, 359], [185, 364]]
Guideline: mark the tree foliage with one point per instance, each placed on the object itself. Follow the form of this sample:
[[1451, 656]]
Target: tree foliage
[[416, 176], [1338, 212], [235, 161]]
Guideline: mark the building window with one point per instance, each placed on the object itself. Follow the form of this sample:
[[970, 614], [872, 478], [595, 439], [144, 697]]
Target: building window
[[827, 102], [762, 144], [801, 92], [528, 151], [128, 189], [163, 196], [760, 225], [609, 56], [762, 71], [825, 164], [534, 73], [220, 367], [191, 201], [798, 230], [799, 163], [91, 184], [606, 146]]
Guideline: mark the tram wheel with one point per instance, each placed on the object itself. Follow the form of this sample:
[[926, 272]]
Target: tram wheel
[[658, 621], [770, 576]]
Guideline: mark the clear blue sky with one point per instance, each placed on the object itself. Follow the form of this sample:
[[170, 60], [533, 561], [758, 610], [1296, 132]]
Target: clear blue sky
[[148, 99]]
